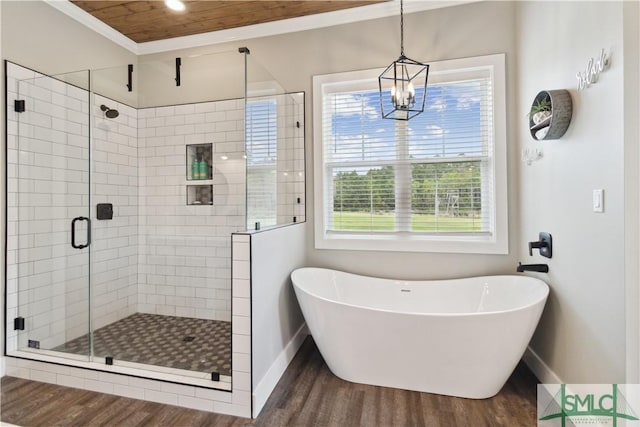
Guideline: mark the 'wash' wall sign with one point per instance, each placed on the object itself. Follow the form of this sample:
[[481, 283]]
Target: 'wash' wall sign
[[593, 70]]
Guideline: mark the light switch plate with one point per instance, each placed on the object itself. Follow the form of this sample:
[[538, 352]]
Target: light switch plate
[[598, 200]]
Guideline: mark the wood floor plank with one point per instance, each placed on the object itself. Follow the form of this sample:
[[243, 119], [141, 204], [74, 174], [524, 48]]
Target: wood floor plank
[[308, 394]]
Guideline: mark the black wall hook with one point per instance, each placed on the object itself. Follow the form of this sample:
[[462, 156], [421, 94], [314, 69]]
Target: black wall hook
[[178, 65], [130, 78]]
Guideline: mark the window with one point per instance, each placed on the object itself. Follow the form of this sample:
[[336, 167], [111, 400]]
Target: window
[[262, 153], [435, 183]]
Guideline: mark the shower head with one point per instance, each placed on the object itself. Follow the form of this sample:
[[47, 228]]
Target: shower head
[[111, 114]]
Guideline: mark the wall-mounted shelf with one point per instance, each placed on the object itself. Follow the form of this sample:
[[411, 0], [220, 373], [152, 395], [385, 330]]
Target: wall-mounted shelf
[[554, 121]]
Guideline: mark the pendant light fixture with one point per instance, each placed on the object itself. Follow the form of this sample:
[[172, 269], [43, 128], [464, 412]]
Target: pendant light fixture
[[403, 84]]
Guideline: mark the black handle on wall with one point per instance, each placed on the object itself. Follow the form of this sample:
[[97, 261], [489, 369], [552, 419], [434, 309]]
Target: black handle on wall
[[73, 232]]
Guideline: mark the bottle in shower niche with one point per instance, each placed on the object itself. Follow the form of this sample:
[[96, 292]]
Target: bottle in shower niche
[[195, 167], [203, 168]]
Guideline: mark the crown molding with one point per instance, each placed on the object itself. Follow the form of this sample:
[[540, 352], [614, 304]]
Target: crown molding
[[302, 23]]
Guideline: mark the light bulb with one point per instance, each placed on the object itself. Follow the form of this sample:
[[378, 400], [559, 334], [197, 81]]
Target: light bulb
[[176, 5]]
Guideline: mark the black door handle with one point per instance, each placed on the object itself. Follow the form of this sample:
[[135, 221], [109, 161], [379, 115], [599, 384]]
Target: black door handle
[[73, 232]]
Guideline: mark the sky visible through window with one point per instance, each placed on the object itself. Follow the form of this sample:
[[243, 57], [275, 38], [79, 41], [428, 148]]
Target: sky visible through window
[[449, 127]]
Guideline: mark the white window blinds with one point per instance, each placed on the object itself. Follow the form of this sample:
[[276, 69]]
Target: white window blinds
[[261, 131], [262, 152], [430, 175]]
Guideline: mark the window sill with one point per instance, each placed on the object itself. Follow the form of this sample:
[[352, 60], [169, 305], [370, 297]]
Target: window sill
[[414, 243]]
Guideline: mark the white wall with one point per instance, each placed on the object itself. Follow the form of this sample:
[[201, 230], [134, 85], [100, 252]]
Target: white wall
[[275, 317], [581, 336]]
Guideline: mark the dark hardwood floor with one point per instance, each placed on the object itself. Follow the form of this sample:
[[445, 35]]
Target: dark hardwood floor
[[307, 395]]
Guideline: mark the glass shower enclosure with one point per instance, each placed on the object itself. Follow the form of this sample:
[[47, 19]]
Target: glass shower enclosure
[[116, 253], [124, 186]]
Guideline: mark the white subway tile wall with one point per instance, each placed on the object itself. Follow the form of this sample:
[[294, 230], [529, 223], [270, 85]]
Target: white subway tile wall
[[241, 325], [184, 252], [114, 179]]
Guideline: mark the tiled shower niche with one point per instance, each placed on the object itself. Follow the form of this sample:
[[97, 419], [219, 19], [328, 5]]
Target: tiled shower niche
[[198, 195], [199, 164]]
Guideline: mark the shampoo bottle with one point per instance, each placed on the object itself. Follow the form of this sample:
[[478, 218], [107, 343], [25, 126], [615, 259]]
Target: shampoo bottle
[[203, 169], [195, 167]]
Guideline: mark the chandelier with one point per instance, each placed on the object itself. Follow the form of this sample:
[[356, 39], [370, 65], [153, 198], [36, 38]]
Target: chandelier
[[403, 84]]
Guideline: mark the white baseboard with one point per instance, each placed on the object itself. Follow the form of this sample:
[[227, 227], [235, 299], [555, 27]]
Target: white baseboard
[[264, 388], [540, 369]]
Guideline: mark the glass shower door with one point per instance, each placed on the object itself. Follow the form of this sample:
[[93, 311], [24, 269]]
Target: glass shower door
[[48, 213]]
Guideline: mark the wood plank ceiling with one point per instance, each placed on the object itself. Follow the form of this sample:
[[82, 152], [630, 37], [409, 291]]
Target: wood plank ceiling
[[145, 21]]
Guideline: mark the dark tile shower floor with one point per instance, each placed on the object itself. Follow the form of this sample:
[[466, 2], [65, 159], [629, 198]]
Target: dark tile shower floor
[[169, 341]]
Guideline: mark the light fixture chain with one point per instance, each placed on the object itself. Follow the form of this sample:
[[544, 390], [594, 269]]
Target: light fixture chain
[[401, 29]]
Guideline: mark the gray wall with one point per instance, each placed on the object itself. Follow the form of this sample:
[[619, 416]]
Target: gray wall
[[38, 36], [582, 333]]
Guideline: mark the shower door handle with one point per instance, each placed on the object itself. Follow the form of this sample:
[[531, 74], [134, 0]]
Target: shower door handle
[[73, 232]]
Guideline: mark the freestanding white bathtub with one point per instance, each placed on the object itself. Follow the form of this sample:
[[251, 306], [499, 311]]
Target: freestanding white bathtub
[[453, 337]]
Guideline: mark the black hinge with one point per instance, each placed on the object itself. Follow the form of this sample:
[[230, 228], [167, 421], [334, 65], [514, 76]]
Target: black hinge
[[19, 106], [215, 376], [108, 360], [18, 324], [33, 344]]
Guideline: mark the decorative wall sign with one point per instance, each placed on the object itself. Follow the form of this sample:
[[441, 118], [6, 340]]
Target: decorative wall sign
[[593, 70]]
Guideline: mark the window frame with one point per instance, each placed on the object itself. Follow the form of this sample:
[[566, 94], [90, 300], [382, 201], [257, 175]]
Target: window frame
[[494, 243]]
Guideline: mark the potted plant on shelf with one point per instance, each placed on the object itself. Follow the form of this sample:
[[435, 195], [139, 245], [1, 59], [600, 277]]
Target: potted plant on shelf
[[540, 117]]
